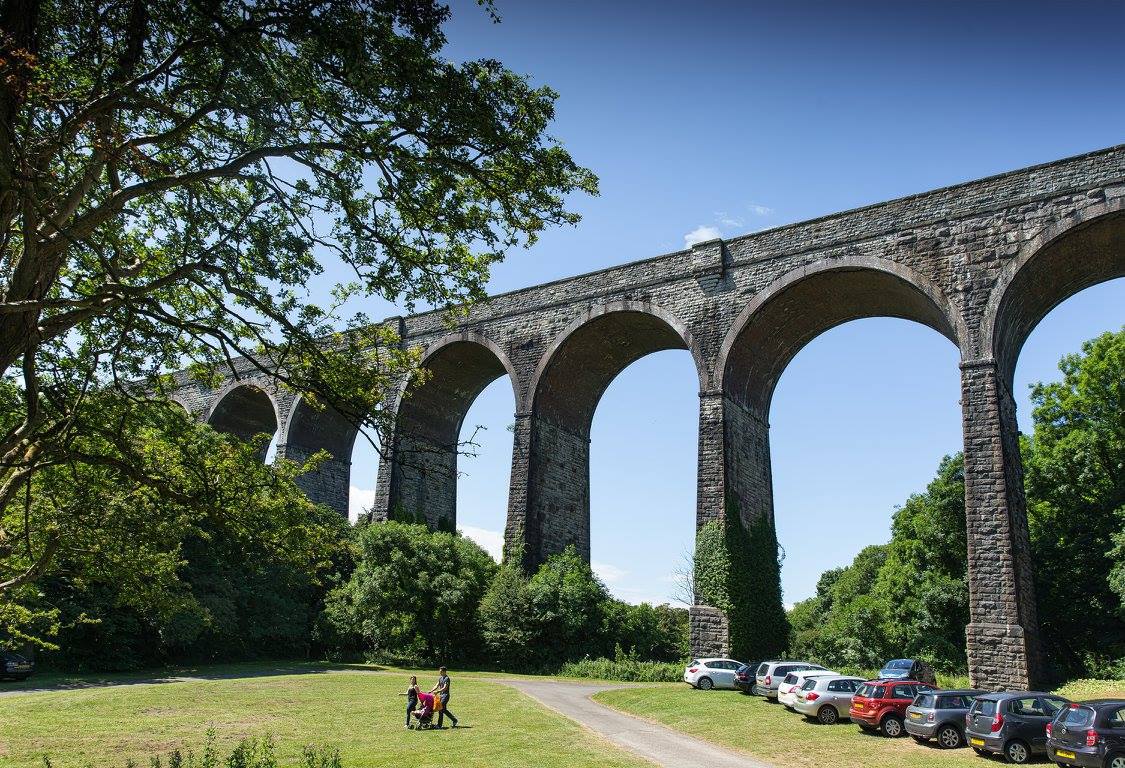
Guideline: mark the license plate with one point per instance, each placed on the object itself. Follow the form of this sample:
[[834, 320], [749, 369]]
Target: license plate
[[1064, 753], [977, 742], [857, 706], [915, 715]]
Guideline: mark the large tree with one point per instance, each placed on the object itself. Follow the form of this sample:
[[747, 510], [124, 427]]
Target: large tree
[[1076, 504], [175, 175]]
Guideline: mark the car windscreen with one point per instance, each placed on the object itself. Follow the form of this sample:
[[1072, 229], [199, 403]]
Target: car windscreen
[[925, 701], [763, 668], [869, 691], [809, 684], [898, 664], [790, 678]]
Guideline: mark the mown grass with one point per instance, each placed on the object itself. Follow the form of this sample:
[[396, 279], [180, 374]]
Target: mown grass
[[357, 711], [750, 724]]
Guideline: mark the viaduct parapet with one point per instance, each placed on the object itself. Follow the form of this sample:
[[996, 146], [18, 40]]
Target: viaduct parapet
[[981, 263]]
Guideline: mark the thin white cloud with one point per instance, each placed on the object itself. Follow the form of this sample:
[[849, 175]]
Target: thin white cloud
[[728, 220], [701, 234], [359, 501], [759, 210], [491, 541], [609, 573]]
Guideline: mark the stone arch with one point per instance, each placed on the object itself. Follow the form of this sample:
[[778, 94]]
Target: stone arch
[[310, 429], [244, 410], [1082, 250], [562, 396], [800, 305], [423, 471], [617, 334]]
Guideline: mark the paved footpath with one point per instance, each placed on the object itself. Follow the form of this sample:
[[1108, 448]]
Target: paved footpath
[[661, 745]]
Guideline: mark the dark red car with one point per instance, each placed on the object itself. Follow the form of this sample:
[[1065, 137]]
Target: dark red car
[[881, 704]]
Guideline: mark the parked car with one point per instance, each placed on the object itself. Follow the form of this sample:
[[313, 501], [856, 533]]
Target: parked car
[[15, 667], [827, 697], [881, 704], [1091, 733], [788, 687], [908, 669], [1012, 724], [940, 715], [771, 673], [706, 674], [744, 677]]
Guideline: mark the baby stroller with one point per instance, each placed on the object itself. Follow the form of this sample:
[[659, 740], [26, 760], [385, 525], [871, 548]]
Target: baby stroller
[[425, 713]]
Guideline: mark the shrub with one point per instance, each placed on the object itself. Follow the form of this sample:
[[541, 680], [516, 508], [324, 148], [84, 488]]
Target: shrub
[[414, 594], [625, 668]]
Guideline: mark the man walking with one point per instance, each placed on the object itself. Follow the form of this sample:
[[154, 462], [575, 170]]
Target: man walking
[[442, 691]]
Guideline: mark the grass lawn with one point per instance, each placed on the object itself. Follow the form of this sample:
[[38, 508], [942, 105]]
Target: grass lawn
[[353, 709], [769, 731]]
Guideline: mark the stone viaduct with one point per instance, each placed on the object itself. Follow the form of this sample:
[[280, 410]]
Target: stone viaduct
[[981, 263]]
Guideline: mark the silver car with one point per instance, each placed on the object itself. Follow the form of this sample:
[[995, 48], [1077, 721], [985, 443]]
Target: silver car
[[828, 698], [940, 715], [771, 673]]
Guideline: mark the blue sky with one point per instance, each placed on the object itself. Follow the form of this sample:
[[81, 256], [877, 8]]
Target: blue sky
[[727, 118]]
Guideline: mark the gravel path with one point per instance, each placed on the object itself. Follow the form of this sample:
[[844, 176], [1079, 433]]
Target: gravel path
[[661, 745]]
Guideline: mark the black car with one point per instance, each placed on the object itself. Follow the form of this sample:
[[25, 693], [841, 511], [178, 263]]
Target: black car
[[15, 667], [1012, 724], [744, 677], [1091, 733]]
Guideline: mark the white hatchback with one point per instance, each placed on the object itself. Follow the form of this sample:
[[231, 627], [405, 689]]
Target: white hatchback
[[706, 674], [787, 690]]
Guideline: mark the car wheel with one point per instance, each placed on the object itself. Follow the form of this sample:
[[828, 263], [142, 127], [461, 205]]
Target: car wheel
[[827, 715], [949, 737], [1115, 761], [891, 726], [1017, 752], [704, 684]]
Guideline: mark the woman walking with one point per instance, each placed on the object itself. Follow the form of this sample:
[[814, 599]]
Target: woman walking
[[411, 698]]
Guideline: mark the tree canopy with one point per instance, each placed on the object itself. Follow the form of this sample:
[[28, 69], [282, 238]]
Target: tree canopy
[[174, 178]]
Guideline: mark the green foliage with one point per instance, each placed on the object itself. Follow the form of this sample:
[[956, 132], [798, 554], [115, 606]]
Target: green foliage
[[563, 613], [624, 668], [737, 569], [1075, 478], [651, 632], [222, 557], [174, 177], [507, 619], [414, 594]]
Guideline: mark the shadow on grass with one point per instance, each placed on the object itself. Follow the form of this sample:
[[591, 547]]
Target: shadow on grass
[[52, 681]]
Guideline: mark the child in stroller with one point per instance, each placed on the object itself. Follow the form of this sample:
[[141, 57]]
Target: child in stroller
[[425, 711]]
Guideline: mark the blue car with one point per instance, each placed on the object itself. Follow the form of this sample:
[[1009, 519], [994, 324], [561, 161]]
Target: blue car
[[908, 669]]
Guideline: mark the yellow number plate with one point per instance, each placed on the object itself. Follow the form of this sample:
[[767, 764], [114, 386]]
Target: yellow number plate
[[857, 706], [1061, 753], [977, 742], [915, 715]]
